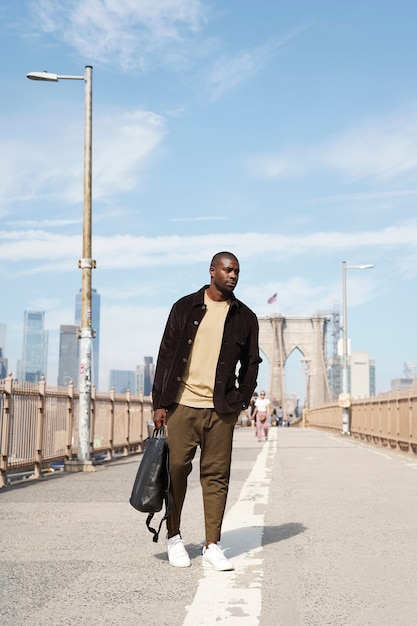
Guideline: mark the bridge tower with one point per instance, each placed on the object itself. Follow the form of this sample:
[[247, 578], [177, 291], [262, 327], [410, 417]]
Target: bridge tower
[[279, 336]]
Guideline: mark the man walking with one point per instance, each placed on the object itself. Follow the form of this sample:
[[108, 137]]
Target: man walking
[[205, 376]]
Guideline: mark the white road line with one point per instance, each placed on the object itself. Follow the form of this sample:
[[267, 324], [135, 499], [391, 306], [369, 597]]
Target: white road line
[[235, 597]]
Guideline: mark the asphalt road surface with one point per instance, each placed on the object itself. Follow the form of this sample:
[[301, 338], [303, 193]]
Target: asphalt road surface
[[321, 528]]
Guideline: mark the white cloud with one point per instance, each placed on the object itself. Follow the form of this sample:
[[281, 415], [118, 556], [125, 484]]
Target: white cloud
[[269, 166], [366, 196], [208, 218], [297, 295], [228, 72], [55, 251], [381, 149], [135, 33], [26, 171], [44, 223], [49, 167], [125, 143]]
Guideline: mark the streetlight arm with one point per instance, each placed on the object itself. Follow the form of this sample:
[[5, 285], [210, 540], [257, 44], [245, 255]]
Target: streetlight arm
[[52, 77]]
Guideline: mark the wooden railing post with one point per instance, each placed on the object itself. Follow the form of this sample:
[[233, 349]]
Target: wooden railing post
[[39, 428], [5, 431], [126, 446], [111, 427]]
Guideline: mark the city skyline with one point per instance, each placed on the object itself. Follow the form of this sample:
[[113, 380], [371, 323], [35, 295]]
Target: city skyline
[[33, 328], [142, 376], [283, 132]]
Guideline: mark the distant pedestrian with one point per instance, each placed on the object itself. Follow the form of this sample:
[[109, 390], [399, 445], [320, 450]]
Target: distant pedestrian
[[252, 410], [280, 414], [261, 415]]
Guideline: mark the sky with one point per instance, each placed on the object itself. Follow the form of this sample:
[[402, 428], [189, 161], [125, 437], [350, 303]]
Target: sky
[[285, 132]]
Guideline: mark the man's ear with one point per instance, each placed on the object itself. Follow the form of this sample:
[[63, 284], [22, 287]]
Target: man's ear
[[211, 270]]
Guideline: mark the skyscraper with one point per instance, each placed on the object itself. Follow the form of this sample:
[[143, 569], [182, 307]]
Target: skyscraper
[[34, 360], [3, 365], [361, 374], [140, 380], [95, 319], [144, 376], [122, 380], [148, 375], [68, 355], [3, 359]]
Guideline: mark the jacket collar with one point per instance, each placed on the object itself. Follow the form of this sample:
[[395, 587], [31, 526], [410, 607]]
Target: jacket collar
[[198, 299]]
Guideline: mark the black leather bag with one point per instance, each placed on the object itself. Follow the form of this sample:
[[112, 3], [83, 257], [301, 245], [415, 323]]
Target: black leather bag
[[152, 483]]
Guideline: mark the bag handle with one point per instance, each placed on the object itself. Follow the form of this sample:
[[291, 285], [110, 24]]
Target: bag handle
[[159, 433]]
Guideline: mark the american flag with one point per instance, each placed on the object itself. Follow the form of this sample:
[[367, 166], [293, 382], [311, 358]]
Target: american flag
[[272, 298]]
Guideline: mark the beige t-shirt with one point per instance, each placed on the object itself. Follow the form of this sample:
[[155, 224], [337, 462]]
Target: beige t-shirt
[[197, 384]]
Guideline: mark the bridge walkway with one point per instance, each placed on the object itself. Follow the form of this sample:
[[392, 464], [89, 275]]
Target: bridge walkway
[[322, 530]]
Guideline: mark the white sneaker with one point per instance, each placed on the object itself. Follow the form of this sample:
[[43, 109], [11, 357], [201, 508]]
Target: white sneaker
[[213, 557], [177, 554]]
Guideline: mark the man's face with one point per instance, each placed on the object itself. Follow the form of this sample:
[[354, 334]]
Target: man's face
[[225, 274]]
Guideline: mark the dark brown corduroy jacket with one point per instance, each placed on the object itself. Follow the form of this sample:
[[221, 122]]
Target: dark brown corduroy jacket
[[233, 387]]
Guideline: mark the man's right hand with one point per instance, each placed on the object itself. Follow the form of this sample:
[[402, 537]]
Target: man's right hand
[[160, 418]]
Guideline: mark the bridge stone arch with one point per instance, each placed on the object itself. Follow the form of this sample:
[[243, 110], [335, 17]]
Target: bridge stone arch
[[279, 336]]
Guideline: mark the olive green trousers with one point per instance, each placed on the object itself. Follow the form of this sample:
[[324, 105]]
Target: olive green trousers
[[188, 428]]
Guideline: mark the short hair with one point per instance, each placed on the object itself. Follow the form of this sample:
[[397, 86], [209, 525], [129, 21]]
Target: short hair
[[221, 255]]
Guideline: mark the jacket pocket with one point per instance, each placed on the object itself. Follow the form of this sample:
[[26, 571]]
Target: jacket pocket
[[240, 344]]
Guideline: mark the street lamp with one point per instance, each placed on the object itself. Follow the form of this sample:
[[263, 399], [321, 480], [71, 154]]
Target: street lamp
[[345, 397], [306, 363], [86, 264]]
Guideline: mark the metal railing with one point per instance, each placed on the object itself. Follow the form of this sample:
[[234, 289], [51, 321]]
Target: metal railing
[[388, 419], [39, 424]]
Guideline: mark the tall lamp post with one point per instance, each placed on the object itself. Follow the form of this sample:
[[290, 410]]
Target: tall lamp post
[[345, 396], [86, 264], [306, 363]]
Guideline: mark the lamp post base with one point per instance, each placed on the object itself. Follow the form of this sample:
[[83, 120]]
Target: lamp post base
[[345, 422], [80, 466]]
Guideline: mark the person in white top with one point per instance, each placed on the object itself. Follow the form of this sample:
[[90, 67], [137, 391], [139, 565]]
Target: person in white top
[[262, 412]]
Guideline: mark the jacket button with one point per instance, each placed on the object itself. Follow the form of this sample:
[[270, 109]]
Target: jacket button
[[179, 379], [195, 323], [184, 360], [190, 341]]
